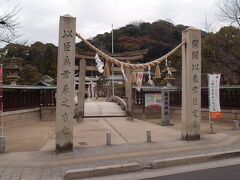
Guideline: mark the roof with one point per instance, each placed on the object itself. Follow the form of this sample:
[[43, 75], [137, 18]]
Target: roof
[[47, 78], [41, 83], [28, 87], [158, 88], [115, 78], [171, 69], [87, 78], [155, 88], [124, 56], [13, 66]]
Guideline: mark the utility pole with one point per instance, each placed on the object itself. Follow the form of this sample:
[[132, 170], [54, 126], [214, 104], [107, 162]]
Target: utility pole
[[112, 66]]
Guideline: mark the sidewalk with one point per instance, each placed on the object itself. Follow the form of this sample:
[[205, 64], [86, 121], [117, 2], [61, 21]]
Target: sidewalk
[[131, 148]]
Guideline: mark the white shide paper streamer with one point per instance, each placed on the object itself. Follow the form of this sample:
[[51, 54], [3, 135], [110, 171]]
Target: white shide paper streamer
[[124, 76], [150, 81], [99, 64], [167, 67]]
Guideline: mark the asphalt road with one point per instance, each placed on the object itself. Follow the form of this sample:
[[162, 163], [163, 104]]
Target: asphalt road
[[223, 173], [227, 169]]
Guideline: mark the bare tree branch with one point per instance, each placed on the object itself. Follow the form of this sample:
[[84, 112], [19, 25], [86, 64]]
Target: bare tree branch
[[9, 24], [229, 10]]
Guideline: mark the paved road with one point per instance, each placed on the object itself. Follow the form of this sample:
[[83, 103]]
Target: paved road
[[228, 169], [222, 173]]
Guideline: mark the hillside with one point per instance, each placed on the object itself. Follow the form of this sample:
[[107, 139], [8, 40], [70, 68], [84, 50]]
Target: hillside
[[159, 37], [220, 50]]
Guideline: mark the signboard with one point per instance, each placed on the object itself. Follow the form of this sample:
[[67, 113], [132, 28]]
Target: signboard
[[152, 100], [139, 80], [214, 101], [165, 107]]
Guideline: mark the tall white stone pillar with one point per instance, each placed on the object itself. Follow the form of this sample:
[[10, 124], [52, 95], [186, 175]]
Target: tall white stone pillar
[[65, 84], [191, 84]]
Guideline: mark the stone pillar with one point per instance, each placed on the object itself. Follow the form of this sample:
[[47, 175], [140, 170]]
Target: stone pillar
[[128, 92], [65, 84], [81, 90], [165, 107], [92, 90], [191, 84], [2, 144]]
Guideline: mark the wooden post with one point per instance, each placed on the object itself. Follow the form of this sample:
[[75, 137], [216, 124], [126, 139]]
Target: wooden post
[[81, 90], [143, 104], [65, 84], [128, 91], [191, 84]]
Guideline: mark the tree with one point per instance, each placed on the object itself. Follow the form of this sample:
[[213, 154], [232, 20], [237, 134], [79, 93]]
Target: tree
[[221, 51], [16, 50], [229, 11], [42, 56], [29, 75], [38, 59], [8, 23]]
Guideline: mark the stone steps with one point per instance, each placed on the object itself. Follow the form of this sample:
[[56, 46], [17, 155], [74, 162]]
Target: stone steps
[[103, 109]]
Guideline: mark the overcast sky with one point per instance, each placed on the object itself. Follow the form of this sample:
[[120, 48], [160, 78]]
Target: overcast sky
[[39, 18]]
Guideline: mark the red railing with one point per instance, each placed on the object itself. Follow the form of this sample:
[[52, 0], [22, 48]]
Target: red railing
[[16, 98]]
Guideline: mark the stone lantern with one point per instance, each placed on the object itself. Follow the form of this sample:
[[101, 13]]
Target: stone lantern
[[13, 73], [170, 73]]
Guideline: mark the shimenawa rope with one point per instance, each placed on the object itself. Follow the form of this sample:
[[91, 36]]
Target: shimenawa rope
[[129, 65]]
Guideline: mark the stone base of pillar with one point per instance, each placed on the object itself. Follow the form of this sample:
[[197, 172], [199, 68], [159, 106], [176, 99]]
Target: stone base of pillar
[[2, 144], [80, 117], [189, 137], [130, 118], [64, 148], [166, 124]]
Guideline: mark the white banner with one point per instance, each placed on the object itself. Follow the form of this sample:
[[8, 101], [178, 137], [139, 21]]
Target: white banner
[[214, 101], [139, 80]]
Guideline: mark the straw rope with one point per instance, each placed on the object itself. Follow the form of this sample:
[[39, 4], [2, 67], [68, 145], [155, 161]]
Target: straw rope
[[129, 65]]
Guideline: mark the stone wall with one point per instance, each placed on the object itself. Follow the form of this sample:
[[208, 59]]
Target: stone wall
[[175, 113], [48, 113], [13, 117], [149, 113], [33, 114], [227, 114]]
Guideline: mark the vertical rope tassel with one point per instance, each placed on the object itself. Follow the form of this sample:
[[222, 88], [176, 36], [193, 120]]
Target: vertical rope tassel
[[133, 77], [106, 72], [123, 73], [157, 72]]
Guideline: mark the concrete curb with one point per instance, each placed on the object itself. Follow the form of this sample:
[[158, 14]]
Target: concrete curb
[[133, 167], [102, 171], [193, 159]]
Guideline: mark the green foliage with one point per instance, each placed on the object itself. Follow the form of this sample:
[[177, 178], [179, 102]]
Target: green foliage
[[37, 59], [221, 54], [42, 56], [159, 37], [16, 50], [29, 75]]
